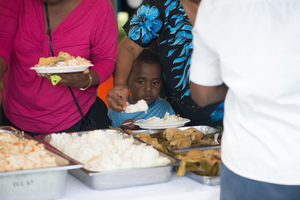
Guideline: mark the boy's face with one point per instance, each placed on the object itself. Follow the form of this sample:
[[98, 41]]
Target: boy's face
[[145, 82]]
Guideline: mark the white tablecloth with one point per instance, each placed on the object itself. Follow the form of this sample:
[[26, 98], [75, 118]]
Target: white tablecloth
[[178, 188]]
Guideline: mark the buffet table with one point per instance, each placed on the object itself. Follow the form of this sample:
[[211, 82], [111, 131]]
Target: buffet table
[[178, 188]]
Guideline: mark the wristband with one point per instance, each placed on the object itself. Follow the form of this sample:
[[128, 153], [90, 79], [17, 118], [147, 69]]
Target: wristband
[[88, 84]]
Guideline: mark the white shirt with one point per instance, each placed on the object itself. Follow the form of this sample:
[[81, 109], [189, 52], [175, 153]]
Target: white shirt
[[253, 46]]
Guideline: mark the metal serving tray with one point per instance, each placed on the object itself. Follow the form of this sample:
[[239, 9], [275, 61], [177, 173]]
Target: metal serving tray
[[36, 184], [201, 148], [207, 130], [206, 180], [122, 178]]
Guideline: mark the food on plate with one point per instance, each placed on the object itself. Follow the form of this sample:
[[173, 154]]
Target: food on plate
[[63, 59], [18, 154], [141, 105], [107, 151], [205, 163], [168, 119]]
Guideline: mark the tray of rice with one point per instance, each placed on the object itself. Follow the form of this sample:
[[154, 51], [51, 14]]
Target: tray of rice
[[29, 169], [113, 159]]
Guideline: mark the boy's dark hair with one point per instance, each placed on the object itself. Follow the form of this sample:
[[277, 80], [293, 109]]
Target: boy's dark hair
[[148, 56]]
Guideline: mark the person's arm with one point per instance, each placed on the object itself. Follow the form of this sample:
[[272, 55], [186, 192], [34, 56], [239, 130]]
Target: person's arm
[[2, 70], [128, 51], [141, 32], [9, 17], [205, 95], [2, 67]]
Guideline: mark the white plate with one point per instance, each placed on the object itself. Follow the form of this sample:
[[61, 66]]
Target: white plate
[[142, 124], [61, 69]]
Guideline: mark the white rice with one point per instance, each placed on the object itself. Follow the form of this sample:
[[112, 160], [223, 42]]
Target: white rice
[[168, 119], [107, 151], [141, 105]]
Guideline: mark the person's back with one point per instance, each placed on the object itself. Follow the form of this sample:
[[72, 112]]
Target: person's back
[[145, 83], [255, 52]]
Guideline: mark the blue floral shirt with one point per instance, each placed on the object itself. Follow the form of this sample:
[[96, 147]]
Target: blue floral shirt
[[165, 21]]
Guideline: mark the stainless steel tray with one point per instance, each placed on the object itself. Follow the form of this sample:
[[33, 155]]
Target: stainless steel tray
[[206, 180], [207, 130], [198, 148], [36, 184], [122, 178]]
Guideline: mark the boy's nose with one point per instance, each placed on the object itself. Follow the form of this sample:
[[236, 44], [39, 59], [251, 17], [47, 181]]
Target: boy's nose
[[148, 87]]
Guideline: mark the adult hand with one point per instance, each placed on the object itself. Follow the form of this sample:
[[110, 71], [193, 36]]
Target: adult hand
[[117, 98], [2, 71], [77, 79]]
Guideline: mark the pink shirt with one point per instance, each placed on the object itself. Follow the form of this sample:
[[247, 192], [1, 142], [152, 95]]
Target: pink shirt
[[30, 102]]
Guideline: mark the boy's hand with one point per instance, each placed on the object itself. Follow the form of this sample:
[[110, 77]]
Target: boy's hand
[[128, 124]]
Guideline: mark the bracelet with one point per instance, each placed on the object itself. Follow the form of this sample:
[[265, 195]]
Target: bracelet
[[88, 84]]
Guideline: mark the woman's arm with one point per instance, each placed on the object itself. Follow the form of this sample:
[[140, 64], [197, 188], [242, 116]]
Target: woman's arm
[[128, 51], [2, 70], [205, 95], [2, 67]]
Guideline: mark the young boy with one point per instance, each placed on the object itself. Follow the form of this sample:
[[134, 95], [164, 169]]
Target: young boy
[[145, 81]]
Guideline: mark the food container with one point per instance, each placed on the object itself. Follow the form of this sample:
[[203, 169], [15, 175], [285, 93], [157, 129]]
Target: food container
[[125, 177], [209, 132], [40, 183], [206, 180]]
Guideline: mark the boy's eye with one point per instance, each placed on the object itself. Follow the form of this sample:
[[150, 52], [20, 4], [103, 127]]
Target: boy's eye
[[140, 82], [155, 82]]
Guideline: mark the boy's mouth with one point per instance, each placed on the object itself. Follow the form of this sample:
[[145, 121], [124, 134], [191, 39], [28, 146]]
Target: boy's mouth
[[147, 98]]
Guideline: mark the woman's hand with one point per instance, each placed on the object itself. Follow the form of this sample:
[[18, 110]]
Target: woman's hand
[[117, 98], [77, 79], [128, 51]]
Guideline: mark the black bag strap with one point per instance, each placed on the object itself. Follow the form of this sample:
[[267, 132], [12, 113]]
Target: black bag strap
[[51, 47], [50, 38]]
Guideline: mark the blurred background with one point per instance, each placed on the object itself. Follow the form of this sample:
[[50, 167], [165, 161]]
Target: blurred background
[[123, 9]]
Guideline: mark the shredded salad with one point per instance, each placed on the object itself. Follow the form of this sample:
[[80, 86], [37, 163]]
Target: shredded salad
[[19, 154]]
